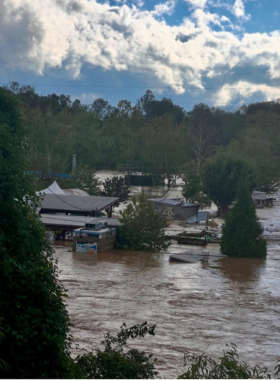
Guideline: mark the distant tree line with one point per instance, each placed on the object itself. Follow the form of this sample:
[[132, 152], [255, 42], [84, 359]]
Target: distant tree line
[[155, 137], [211, 148]]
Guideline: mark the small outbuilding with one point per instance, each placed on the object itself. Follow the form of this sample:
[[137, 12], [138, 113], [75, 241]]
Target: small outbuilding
[[175, 208], [94, 237]]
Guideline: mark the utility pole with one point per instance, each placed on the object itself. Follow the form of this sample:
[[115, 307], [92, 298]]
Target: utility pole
[[74, 163]]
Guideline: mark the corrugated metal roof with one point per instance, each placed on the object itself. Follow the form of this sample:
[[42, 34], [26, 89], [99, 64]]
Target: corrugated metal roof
[[76, 203], [75, 221], [173, 202], [80, 192]]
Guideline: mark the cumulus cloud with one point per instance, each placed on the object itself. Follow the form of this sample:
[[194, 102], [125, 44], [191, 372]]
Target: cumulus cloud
[[197, 3], [245, 90], [238, 9], [68, 34], [164, 8]]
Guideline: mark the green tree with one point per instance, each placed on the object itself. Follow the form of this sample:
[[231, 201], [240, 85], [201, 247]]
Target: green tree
[[192, 188], [258, 144], [34, 318], [120, 136], [163, 151], [115, 187], [85, 179], [241, 232], [221, 177], [203, 133], [143, 227], [228, 367], [114, 362]]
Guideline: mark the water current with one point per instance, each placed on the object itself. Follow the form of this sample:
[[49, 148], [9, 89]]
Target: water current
[[196, 307]]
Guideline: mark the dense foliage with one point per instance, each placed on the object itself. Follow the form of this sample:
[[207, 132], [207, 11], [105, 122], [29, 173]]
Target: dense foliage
[[155, 137], [34, 320], [222, 175], [115, 187], [143, 227], [116, 362], [192, 188], [241, 232], [85, 179], [34, 324], [229, 367]]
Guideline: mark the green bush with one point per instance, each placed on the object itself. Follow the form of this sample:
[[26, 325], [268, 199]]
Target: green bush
[[116, 363], [143, 227], [228, 367]]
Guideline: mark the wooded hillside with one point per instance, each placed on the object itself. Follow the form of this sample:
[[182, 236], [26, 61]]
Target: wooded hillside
[[155, 137]]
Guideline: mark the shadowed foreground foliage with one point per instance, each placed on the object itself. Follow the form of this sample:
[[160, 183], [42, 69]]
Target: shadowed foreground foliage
[[34, 320], [114, 362], [228, 367]]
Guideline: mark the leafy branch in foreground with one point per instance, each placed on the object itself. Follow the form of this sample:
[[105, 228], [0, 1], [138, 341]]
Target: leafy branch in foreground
[[116, 363], [229, 367], [34, 322]]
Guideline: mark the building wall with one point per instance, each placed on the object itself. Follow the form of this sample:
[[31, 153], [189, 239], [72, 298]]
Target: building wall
[[184, 213], [103, 245], [175, 212]]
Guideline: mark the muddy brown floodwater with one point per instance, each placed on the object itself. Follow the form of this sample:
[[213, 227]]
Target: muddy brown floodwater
[[196, 307]]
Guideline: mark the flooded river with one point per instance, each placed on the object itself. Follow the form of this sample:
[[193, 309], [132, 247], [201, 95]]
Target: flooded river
[[196, 307]]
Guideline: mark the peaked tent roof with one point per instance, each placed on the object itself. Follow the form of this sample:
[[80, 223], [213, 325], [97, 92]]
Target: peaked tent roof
[[52, 189]]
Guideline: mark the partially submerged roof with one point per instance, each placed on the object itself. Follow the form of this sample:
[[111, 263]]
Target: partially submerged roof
[[173, 202], [76, 203], [76, 221]]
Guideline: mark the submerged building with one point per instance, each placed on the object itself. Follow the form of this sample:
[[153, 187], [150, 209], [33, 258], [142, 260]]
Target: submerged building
[[175, 208]]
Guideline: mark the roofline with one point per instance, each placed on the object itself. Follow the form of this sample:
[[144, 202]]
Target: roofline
[[79, 210]]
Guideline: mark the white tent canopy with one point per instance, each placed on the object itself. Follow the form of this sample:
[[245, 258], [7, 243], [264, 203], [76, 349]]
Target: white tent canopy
[[52, 189]]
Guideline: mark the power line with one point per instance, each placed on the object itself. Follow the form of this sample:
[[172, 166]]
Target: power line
[[145, 87]]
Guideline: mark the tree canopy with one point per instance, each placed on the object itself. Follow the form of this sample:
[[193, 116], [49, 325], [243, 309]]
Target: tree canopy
[[221, 177], [143, 227], [155, 137], [116, 187], [241, 231]]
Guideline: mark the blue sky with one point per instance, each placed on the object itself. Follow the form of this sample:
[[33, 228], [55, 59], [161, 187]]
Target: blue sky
[[220, 52]]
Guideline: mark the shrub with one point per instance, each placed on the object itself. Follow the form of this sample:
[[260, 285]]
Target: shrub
[[116, 363], [143, 227]]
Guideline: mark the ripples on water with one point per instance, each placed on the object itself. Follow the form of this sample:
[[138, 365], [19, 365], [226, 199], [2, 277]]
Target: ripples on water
[[197, 307]]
